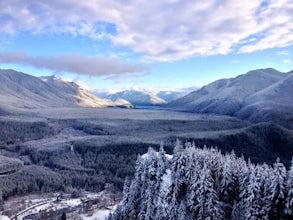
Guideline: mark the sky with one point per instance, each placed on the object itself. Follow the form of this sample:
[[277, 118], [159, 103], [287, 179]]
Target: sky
[[170, 44]]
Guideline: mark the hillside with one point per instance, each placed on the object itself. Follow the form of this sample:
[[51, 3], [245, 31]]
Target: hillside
[[9, 165], [262, 142], [272, 103], [23, 91], [265, 90]]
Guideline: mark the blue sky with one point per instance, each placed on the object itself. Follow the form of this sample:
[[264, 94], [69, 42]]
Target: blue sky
[[169, 44]]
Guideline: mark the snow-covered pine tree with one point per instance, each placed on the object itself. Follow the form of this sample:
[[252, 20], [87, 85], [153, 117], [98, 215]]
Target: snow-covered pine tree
[[182, 211], [254, 206], [228, 181], [178, 167], [207, 200], [163, 185], [215, 164], [266, 180], [178, 147], [148, 185], [289, 185], [278, 190], [238, 211], [164, 197], [193, 176]]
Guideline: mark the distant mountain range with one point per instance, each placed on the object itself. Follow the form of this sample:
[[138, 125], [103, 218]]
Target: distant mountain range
[[138, 98], [259, 95], [144, 97], [20, 90]]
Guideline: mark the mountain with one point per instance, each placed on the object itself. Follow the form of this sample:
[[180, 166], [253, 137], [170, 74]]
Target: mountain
[[169, 96], [138, 98], [256, 95], [20, 90]]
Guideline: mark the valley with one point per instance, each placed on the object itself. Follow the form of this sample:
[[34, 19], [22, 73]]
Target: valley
[[87, 147], [61, 145]]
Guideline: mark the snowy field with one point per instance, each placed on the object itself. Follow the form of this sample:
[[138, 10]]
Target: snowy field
[[30, 205], [142, 125]]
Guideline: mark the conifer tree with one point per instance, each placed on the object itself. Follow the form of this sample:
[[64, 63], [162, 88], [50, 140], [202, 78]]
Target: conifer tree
[[182, 211], [208, 203], [193, 176], [278, 190], [254, 201], [164, 197], [227, 181], [238, 211], [289, 185]]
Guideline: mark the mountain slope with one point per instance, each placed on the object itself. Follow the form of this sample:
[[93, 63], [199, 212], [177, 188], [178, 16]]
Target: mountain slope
[[272, 103], [20, 90], [243, 96], [280, 92], [138, 97]]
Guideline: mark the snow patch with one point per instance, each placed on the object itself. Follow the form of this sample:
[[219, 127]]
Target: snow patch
[[166, 181], [147, 155]]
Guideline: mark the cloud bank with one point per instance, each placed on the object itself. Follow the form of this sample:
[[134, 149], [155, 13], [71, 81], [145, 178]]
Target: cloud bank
[[160, 30], [74, 63]]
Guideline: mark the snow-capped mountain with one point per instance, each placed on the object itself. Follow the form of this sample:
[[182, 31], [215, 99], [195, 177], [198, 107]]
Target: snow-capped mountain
[[138, 98], [262, 90], [169, 96], [20, 90], [145, 97]]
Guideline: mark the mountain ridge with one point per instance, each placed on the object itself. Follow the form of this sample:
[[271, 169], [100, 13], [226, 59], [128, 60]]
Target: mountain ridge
[[146, 97], [243, 96], [23, 91]]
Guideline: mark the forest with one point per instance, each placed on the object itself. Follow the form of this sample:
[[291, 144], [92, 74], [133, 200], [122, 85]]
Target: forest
[[205, 184], [90, 148]]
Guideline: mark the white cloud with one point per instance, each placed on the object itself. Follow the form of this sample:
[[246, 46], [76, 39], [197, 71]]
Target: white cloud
[[283, 53], [119, 78], [161, 30], [74, 63], [287, 61]]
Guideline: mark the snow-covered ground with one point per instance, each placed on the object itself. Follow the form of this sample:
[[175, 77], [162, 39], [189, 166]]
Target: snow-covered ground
[[4, 217], [100, 214], [103, 204]]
